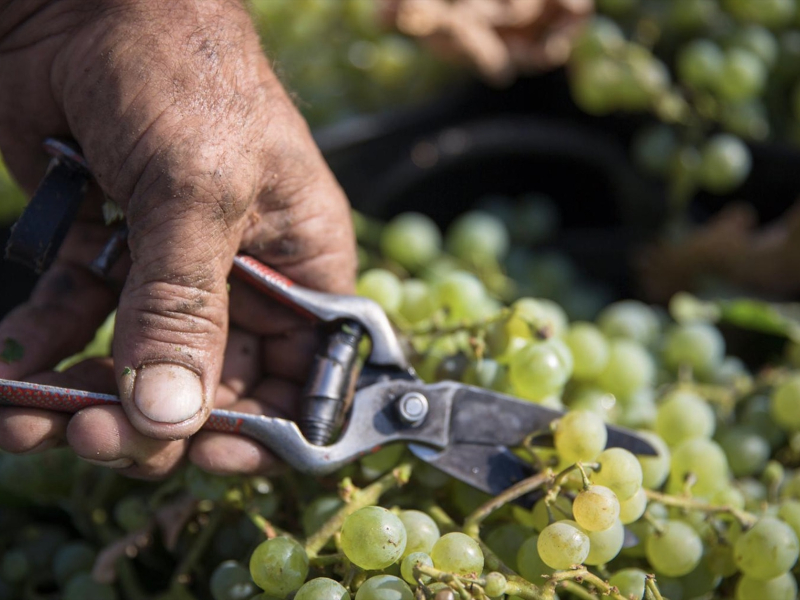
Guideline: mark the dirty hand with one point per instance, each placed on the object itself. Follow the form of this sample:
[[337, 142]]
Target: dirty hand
[[187, 129]]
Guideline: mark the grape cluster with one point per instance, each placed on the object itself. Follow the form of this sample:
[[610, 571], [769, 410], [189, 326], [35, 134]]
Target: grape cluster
[[716, 74]]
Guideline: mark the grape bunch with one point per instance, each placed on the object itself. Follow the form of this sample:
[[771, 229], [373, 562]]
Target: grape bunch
[[716, 74]]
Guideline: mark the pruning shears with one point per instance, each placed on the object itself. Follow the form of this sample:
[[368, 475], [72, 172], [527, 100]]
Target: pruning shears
[[466, 431]]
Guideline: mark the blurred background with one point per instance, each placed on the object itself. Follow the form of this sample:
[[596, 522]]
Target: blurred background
[[636, 147]]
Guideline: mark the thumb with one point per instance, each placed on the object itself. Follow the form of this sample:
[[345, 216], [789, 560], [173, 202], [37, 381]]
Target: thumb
[[172, 318]]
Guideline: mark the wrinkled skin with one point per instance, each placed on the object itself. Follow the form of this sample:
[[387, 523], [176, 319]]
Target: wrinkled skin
[[185, 126]]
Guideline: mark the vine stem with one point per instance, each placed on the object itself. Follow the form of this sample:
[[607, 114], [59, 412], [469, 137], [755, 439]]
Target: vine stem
[[199, 545], [652, 588], [358, 499], [582, 575], [746, 519]]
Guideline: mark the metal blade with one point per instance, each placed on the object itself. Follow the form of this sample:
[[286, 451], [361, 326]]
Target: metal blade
[[491, 469], [483, 416]]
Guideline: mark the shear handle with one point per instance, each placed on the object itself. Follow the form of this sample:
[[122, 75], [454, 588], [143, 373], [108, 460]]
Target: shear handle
[[386, 350]]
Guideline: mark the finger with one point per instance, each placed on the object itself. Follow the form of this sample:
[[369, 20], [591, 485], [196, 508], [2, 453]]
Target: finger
[[226, 454], [102, 435], [60, 318], [290, 356], [253, 311], [241, 368]]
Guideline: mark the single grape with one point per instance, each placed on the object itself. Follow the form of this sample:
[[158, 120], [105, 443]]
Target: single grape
[[747, 452], [462, 294], [726, 163], [596, 508], [539, 369], [506, 539], [231, 581], [601, 35], [410, 561], [696, 345], [476, 235], [580, 436], [629, 369], [693, 15], [82, 587], [496, 584], [771, 13], [784, 405], [132, 514], [457, 553], [529, 563], [595, 400], [384, 587], [412, 239], [418, 302], [73, 558], [767, 550], [703, 459], [619, 470], [562, 545], [589, 350], [743, 76], [633, 508], [759, 40], [322, 588], [699, 63], [630, 582], [376, 464], [373, 538], [605, 545], [279, 566], [382, 286], [674, 551], [421, 532], [672, 424], [701, 581], [782, 587], [789, 512], [629, 319], [719, 559], [595, 84]]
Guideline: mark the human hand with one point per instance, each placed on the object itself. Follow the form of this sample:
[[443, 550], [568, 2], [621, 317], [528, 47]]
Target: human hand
[[183, 125]]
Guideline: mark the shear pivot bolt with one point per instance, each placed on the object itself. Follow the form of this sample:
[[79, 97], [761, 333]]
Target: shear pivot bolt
[[412, 408]]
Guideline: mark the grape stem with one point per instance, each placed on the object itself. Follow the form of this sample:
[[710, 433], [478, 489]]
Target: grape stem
[[746, 519], [652, 589], [358, 499], [199, 546], [582, 575]]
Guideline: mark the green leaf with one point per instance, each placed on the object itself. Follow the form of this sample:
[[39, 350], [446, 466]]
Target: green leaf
[[773, 318], [13, 351]]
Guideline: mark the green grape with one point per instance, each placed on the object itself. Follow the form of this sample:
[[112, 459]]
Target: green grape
[[600, 35], [279, 566], [589, 350], [506, 539], [496, 584], [743, 76], [384, 587], [633, 508], [758, 40], [421, 532], [318, 512], [562, 545], [726, 163], [672, 424], [412, 239], [748, 120], [231, 581], [595, 84], [629, 319], [462, 294], [782, 587], [539, 369], [382, 286], [766, 550], [82, 586], [674, 551], [73, 558], [596, 508], [580, 436], [746, 451], [477, 235], [692, 15], [132, 514], [322, 588], [14, 566], [486, 373], [529, 563], [728, 496], [605, 545], [410, 561], [696, 345], [699, 63], [620, 471], [719, 559], [630, 582], [756, 413], [561, 509], [638, 411], [458, 553], [373, 538], [700, 582], [629, 369], [789, 512], [597, 401], [376, 464], [652, 148], [418, 302], [784, 405], [705, 460]]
